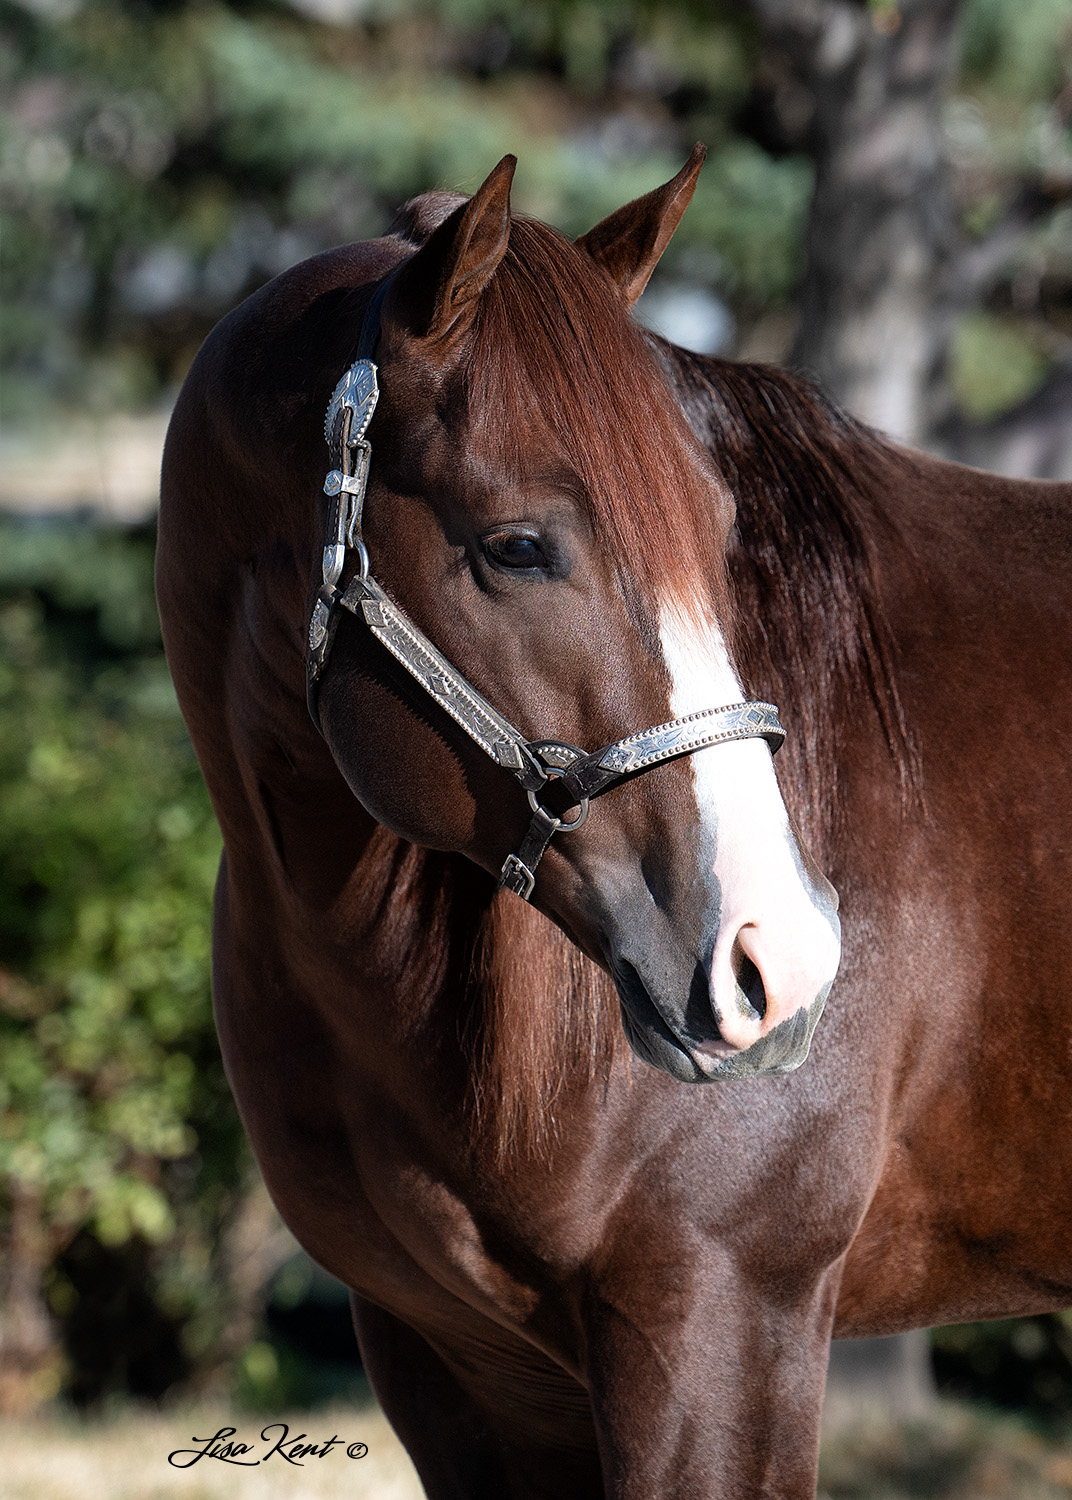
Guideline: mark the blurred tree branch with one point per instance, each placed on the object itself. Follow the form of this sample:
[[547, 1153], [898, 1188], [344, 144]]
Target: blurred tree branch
[[978, 265]]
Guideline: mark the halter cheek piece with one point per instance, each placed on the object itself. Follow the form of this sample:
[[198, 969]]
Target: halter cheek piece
[[565, 776]]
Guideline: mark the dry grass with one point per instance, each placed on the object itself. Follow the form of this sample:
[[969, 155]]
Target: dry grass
[[955, 1454], [125, 1457]]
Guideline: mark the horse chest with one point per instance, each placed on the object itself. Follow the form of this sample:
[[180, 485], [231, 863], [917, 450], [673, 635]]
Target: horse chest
[[383, 1207]]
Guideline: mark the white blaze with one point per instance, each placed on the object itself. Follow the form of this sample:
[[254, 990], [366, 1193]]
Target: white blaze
[[768, 911]]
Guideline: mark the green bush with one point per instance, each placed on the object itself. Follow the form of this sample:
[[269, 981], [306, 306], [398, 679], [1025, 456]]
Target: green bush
[[115, 1117]]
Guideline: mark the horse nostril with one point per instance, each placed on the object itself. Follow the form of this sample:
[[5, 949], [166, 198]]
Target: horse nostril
[[750, 995]]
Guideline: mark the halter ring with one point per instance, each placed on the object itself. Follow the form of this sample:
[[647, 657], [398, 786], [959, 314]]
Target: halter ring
[[563, 827]]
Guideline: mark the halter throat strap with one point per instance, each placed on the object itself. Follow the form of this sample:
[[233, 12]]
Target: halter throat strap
[[557, 777]]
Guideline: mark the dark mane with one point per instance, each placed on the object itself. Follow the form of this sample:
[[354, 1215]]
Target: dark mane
[[812, 629], [418, 218], [542, 1028]]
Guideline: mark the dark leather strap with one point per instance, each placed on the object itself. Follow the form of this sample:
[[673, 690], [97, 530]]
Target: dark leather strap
[[369, 336], [325, 620]]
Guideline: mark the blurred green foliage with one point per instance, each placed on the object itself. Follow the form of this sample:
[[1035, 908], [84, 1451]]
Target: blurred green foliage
[[995, 363], [1009, 133], [114, 1113], [1020, 1363], [1016, 50], [159, 161]]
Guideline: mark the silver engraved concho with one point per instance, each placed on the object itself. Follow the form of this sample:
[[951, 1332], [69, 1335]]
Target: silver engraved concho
[[358, 393]]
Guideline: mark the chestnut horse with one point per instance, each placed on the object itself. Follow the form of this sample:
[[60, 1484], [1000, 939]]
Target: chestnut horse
[[573, 1274]]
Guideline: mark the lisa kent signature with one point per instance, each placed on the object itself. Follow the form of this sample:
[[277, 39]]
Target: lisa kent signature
[[294, 1450]]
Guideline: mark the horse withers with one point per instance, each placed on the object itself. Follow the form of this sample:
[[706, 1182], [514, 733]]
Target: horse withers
[[542, 586]]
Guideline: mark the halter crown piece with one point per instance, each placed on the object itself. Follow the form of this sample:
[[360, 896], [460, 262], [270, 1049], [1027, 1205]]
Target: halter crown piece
[[547, 769]]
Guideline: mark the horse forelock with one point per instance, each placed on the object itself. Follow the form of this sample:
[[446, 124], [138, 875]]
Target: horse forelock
[[555, 366]]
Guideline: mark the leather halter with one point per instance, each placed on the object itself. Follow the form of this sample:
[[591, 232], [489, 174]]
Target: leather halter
[[566, 776]]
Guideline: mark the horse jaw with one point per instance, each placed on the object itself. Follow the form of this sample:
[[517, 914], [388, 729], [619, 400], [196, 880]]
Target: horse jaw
[[772, 930]]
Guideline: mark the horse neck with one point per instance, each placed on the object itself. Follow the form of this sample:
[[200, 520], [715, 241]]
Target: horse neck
[[240, 533]]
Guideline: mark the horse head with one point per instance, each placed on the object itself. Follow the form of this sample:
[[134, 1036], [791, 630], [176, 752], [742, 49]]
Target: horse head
[[537, 506]]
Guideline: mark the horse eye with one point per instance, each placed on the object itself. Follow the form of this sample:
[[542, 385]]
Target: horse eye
[[510, 550]]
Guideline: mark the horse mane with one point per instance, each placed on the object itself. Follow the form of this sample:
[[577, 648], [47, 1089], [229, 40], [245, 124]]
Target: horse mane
[[542, 1030], [421, 216], [537, 1023], [812, 630]]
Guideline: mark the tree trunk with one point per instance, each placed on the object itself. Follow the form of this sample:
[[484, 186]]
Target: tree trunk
[[254, 1247], [866, 84], [30, 1357], [888, 1377]]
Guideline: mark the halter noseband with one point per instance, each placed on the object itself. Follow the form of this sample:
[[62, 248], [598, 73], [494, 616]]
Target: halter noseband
[[568, 776]]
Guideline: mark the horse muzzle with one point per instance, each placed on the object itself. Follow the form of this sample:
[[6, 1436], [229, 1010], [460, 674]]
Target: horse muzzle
[[747, 1011]]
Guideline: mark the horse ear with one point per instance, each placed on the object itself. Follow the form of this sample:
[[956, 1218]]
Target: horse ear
[[454, 265], [629, 243]]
